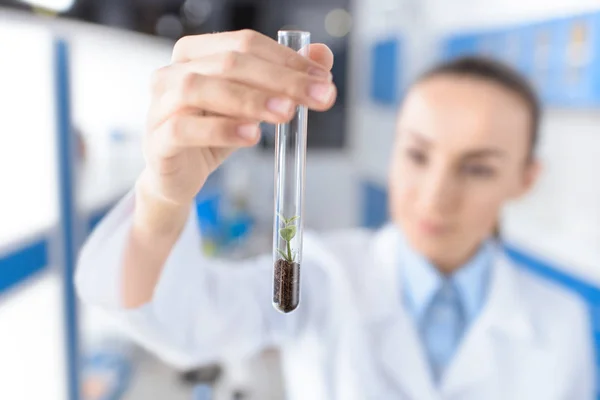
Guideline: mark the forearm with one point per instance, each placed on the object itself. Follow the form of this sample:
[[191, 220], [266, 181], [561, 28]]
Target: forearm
[[156, 227]]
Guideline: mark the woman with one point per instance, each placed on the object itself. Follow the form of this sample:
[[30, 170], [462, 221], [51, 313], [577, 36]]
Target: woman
[[426, 308]]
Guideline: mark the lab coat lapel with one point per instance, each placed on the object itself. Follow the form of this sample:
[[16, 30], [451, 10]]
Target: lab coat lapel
[[403, 364], [504, 316]]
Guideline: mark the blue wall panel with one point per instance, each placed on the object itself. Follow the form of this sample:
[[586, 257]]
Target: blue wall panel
[[374, 205], [512, 49], [22, 263], [561, 57], [385, 71], [578, 75], [459, 45], [543, 46]]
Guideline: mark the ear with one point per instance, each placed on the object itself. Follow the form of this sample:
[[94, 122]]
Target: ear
[[530, 177]]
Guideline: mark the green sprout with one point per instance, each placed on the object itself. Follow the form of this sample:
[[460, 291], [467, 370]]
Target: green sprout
[[287, 233]]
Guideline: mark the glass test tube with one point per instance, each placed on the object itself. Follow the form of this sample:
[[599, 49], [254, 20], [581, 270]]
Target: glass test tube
[[290, 160]]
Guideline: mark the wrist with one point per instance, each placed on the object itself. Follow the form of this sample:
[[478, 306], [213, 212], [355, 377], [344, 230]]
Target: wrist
[[155, 216]]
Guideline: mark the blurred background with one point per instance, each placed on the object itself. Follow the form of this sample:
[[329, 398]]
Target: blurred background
[[74, 84]]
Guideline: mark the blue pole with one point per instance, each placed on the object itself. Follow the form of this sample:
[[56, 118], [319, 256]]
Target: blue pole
[[66, 168]]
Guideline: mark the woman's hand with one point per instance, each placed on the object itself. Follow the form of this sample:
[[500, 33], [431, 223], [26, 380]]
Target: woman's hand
[[206, 104], [210, 101]]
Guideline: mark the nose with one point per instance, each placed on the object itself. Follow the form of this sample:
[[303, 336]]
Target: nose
[[439, 192]]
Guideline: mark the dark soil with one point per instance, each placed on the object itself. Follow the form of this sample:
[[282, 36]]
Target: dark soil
[[286, 285]]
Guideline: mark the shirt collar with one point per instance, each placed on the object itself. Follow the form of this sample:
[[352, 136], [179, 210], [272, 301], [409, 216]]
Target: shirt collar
[[421, 279]]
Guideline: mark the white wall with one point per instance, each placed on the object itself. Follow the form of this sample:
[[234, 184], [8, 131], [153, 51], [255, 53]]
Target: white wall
[[111, 91], [32, 342], [372, 126], [28, 205], [110, 76], [464, 14], [109, 72], [27, 126], [560, 220]]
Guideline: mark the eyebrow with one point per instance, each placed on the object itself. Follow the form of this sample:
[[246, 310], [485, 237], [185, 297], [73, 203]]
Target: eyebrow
[[481, 153], [478, 153]]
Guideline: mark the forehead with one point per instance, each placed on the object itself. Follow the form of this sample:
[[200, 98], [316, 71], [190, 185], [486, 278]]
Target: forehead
[[460, 112]]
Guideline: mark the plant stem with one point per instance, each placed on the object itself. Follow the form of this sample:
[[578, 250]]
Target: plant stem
[[289, 250]]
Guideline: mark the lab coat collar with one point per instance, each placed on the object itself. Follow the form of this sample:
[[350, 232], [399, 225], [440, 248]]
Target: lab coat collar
[[504, 308], [504, 312], [505, 316], [383, 284]]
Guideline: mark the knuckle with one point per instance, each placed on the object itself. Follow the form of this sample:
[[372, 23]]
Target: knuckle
[[180, 45], [297, 88], [189, 82], [229, 61], [157, 78], [251, 104], [246, 39], [174, 130], [213, 130]]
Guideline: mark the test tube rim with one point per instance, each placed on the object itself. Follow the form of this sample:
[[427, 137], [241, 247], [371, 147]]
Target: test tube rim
[[293, 32]]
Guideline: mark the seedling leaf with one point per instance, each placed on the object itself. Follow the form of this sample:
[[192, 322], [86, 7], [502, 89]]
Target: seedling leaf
[[283, 254], [288, 233]]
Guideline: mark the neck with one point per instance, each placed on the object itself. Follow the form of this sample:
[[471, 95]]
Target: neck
[[448, 264]]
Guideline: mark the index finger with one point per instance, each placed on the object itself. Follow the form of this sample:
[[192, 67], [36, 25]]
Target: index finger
[[245, 41], [322, 54]]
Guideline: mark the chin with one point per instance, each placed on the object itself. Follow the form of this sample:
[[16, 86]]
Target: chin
[[431, 249], [435, 248], [447, 252]]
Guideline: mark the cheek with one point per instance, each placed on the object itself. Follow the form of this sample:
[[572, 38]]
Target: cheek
[[482, 207], [402, 191], [481, 210]]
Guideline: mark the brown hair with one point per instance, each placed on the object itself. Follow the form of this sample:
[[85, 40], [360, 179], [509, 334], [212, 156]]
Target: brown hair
[[500, 74]]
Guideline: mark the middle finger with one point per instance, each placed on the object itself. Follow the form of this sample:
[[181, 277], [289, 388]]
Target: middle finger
[[316, 92]]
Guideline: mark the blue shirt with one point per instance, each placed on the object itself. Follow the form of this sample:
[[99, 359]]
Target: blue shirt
[[421, 281]]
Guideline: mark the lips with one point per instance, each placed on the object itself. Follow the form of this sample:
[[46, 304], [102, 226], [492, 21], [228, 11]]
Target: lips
[[433, 228]]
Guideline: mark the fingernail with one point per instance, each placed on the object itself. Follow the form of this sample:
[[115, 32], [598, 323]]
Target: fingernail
[[321, 92], [318, 72], [280, 106], [248, 131]]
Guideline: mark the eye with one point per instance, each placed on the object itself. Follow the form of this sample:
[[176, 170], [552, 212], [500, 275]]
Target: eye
[[479, 171], [417, 156]]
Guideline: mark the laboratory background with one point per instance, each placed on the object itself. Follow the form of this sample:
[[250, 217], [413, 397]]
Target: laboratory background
[[74, 90]]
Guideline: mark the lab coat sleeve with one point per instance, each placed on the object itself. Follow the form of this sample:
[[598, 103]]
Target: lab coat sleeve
[[202, 309]]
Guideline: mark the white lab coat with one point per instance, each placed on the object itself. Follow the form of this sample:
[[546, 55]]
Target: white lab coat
[[350, 338]]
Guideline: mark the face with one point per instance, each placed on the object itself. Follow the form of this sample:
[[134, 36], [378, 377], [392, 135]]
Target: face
[[461, 152]]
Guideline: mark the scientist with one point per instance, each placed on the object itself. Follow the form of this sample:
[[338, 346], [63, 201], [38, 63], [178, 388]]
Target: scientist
[[426, 308]]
